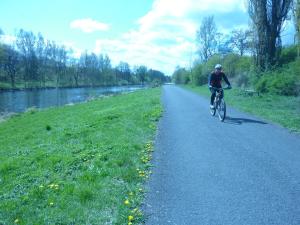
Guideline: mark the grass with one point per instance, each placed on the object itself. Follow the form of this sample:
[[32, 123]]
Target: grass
[[283, 110], [81, 164]]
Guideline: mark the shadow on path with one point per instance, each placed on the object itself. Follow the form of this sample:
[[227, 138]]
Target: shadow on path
[[240, 121]]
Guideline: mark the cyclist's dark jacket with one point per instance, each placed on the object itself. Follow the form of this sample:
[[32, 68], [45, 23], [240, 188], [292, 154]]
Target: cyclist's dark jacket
[[215, 79]]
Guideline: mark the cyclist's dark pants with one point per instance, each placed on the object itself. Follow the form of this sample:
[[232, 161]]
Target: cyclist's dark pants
[[213, 95]]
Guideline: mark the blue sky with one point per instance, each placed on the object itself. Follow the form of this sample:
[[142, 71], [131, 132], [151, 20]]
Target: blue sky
[[157, 33]]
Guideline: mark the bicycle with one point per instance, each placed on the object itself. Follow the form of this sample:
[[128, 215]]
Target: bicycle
[[219, 104]]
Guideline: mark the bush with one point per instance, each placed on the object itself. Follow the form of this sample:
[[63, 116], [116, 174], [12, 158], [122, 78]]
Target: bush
[[122, 82], [288, 55], [243, 79], [284, 81], [197, 76]]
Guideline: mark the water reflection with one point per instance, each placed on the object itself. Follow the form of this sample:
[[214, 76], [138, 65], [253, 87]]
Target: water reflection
[[19, 101]]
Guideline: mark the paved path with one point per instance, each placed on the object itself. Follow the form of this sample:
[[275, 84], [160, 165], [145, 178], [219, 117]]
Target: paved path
[[243, 171]]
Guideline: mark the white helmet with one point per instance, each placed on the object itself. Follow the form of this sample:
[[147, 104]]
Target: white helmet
[[218, 67]]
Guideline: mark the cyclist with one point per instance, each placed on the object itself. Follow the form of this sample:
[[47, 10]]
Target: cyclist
[[214, 81]]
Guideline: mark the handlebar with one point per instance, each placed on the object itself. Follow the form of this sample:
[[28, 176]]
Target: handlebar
[[220, 89]]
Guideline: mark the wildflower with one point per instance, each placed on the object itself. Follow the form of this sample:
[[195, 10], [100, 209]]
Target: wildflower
[[130, 218], [17, 220], [130, 223], [51, 203], [126, 202]]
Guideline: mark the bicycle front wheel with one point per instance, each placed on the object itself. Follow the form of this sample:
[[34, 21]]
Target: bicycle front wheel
[[213, 110], [222, 110]]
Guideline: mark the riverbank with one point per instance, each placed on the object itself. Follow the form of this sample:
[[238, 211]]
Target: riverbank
[[283, 110], [7, 87], [80, 164]]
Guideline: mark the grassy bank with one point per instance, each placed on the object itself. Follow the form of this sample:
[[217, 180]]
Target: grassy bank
[[81, 164], [283, 110]]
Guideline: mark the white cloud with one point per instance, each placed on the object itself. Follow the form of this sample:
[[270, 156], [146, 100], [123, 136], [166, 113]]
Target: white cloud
[[89, 25], [7, 39], [165, 37]]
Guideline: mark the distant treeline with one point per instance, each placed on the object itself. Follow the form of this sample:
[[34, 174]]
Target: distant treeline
[[33, 62]]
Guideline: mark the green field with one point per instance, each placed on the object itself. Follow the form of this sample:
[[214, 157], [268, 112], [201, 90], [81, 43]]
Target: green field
[[283, 110], [80, 164]]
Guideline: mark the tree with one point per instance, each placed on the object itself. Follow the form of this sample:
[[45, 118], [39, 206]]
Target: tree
[[156, 77], [35, 62], [268, 17], [40, 52], [296, 13], [26, 44], [123, 72], [60, 65], [180, 76], [107, 76], [141, 73], [11, 64], [206, 38], [241, 40]]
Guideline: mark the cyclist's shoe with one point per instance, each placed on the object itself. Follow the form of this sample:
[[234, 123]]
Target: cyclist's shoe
[[212, 107]]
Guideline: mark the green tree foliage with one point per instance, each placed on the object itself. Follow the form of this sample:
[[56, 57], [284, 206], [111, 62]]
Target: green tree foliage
[[141, 73], [181, 76]]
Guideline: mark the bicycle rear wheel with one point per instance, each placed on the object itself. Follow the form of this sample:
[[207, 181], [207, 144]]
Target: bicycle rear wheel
[[222, 110]]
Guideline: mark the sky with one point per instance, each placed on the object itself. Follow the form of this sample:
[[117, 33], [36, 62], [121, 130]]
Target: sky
[[160, 34]]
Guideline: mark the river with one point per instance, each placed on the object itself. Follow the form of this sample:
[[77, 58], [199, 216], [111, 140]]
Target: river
[[20, 101]]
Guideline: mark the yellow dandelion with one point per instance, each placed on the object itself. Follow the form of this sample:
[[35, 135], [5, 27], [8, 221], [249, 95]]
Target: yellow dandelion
[[130, 218], [126, 202]]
